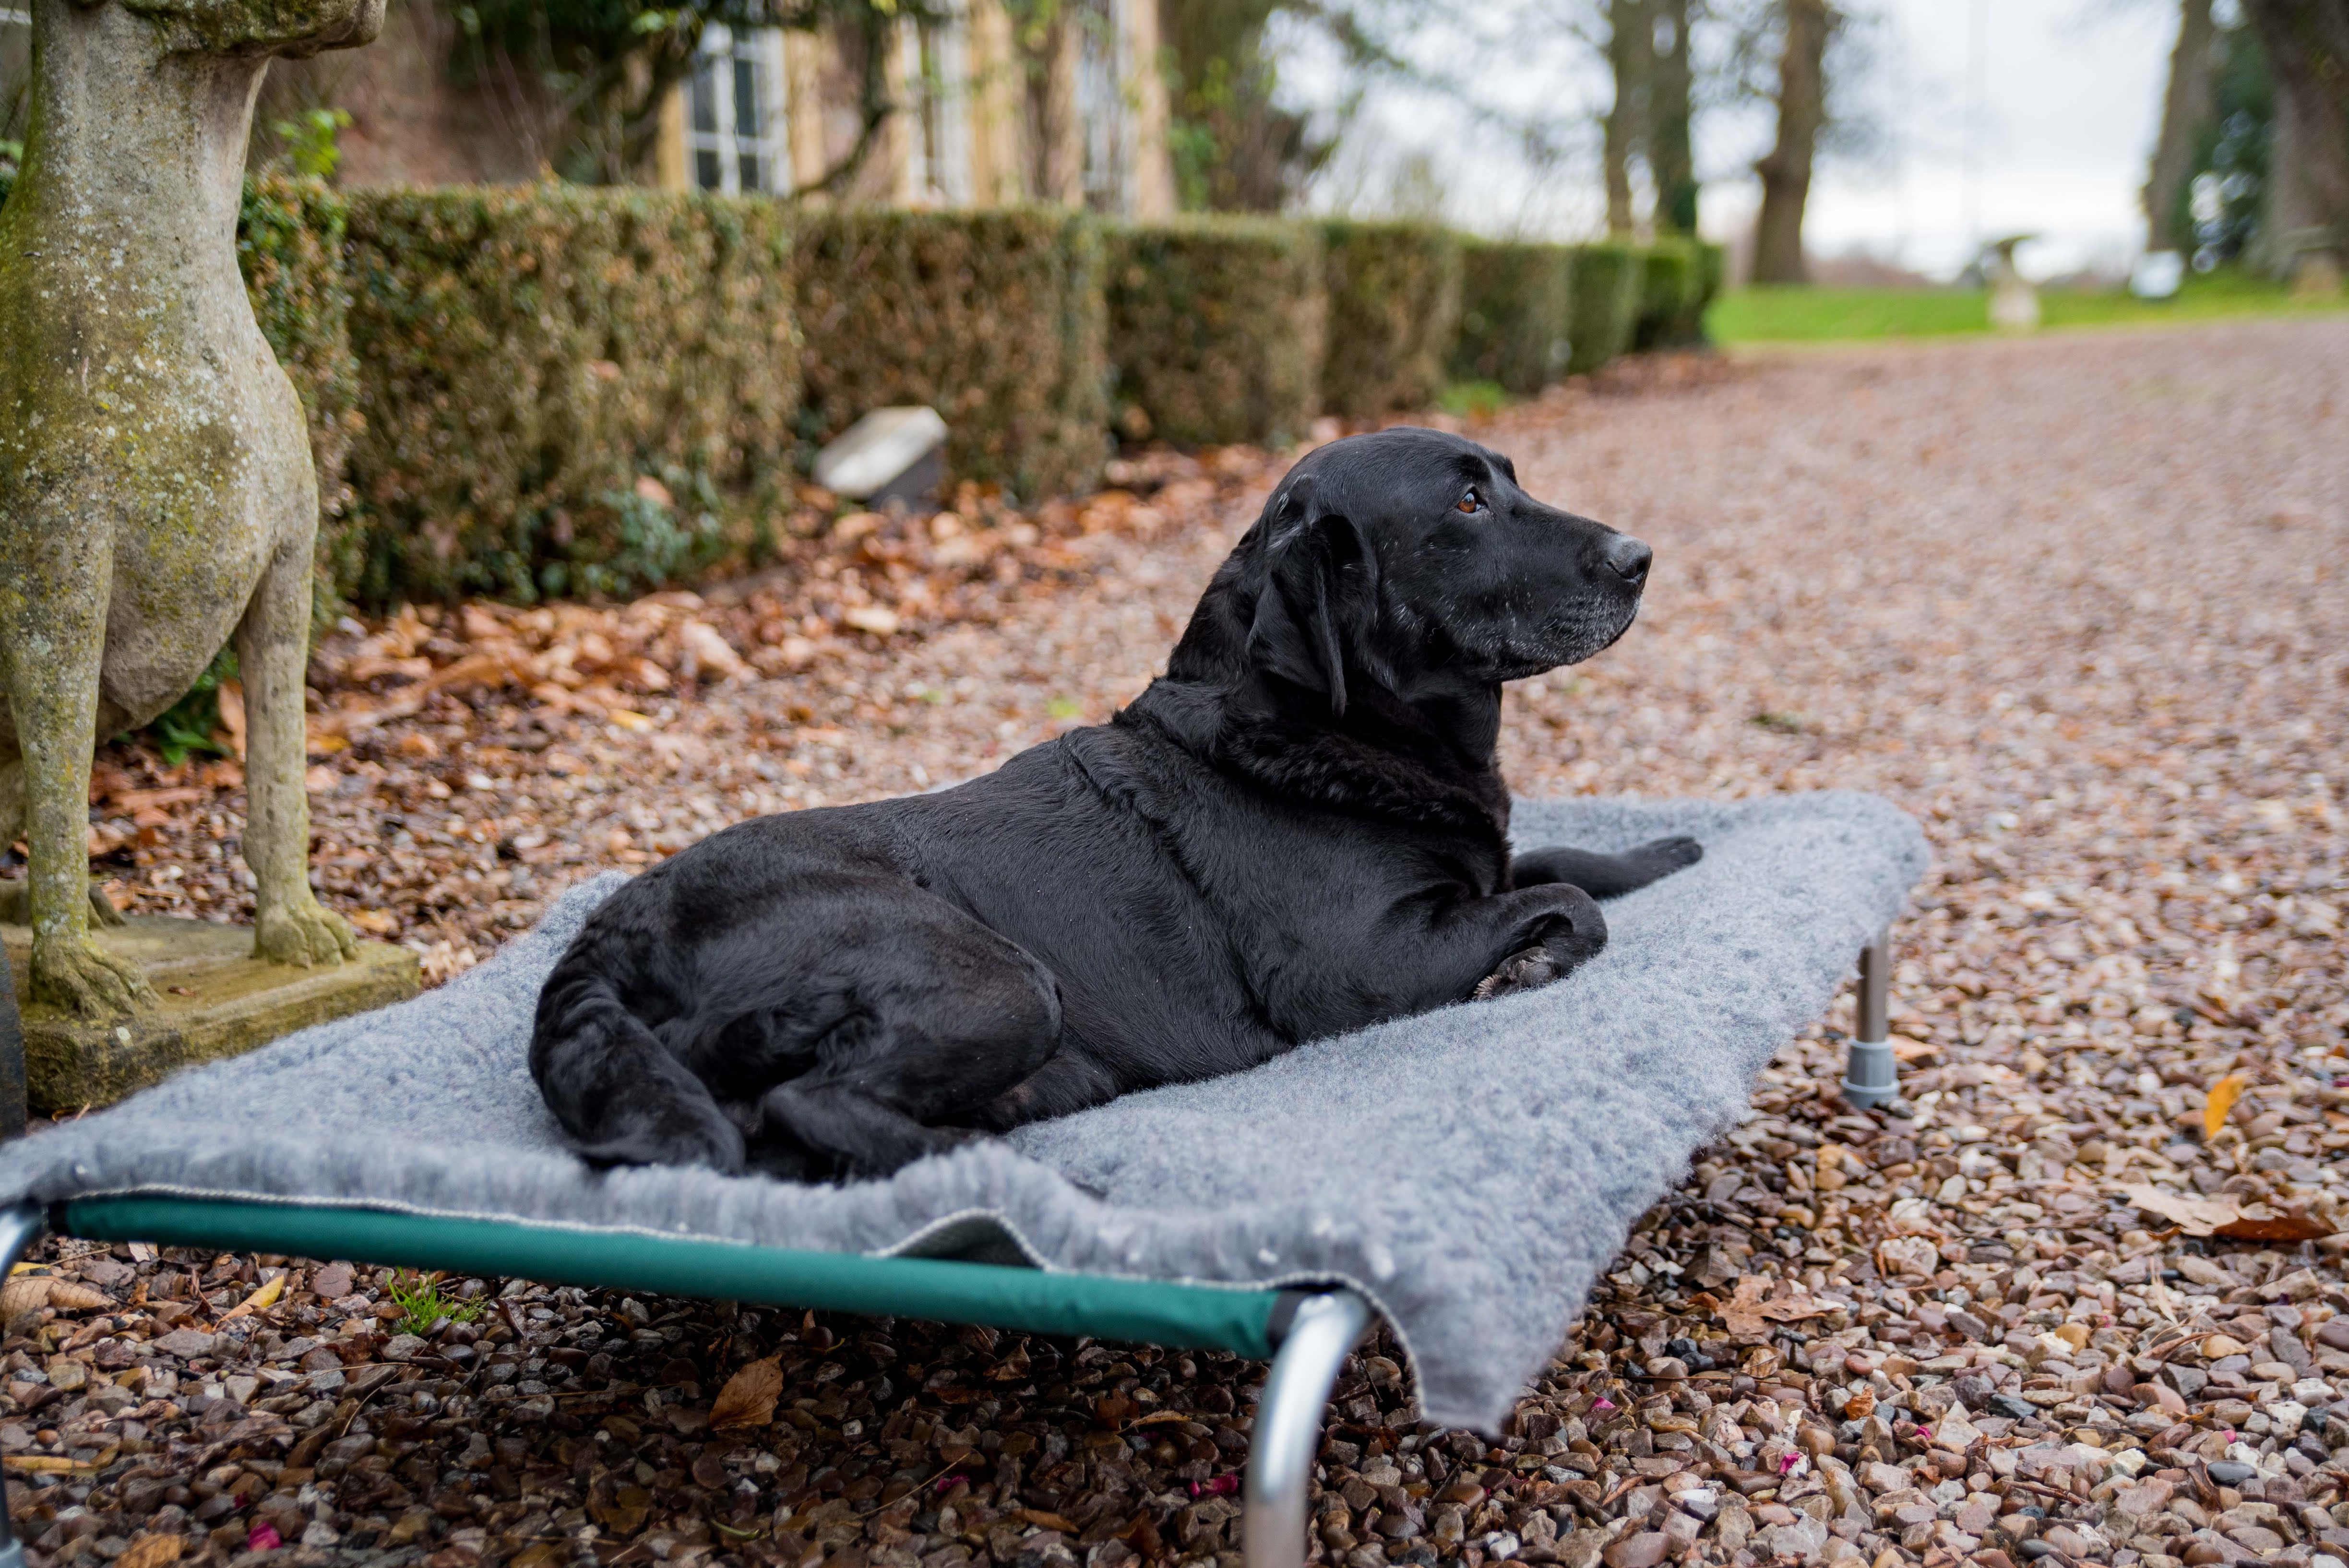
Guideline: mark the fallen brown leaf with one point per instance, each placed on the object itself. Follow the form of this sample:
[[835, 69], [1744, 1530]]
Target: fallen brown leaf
[[153, 1551], [259, 1301], [749, 1398], [2194, 1216], [1043, 1520], [30, 1292], [1749, 1313], [2259, 1223], [232, 714], [2223, 1096]]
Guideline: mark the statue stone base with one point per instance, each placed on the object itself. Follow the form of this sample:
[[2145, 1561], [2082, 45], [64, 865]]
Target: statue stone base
[[214, 999]]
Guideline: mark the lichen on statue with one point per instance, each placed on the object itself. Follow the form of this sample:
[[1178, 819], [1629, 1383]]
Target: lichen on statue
[[157, 498]]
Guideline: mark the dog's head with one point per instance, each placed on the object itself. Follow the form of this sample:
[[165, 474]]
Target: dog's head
[[1412, 560]]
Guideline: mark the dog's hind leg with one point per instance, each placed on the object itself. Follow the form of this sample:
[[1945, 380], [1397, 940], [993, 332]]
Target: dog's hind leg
[[1605, 876], [948, 1015], [623, 1097]]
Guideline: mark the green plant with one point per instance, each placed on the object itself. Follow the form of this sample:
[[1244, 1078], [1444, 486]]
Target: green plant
[[655, 539], [1394, 300], [1473, 399], [1512, 314], [1215, 329], [995, 318], [309, 141], [189, 724], [422, 1303]]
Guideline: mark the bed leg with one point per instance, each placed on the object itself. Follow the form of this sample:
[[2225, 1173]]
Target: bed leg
[[1288, 1424], [1871, 1076], [20, 1228]]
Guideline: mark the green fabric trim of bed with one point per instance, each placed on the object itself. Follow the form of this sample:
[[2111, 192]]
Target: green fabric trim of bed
[[1147, 1312]]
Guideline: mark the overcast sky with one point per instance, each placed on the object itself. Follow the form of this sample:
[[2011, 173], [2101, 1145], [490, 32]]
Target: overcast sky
[[2069, 98]]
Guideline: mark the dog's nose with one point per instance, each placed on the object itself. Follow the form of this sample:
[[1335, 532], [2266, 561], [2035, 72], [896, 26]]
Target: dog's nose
[[1627, 558]]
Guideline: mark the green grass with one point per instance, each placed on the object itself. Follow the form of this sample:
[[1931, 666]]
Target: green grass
[[422, 1303], [1797, 315], [1473, 399]]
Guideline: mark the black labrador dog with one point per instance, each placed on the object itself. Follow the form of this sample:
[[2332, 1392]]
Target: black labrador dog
[[1298, 830]]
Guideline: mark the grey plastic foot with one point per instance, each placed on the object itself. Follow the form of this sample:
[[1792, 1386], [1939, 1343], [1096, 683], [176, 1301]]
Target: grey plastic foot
[[1871, 1076], [1289, 1425]]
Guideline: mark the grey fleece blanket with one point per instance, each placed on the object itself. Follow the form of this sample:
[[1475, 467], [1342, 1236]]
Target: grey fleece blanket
[[1472, 1170]]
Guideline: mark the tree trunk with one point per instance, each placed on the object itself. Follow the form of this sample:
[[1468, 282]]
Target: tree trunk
[[1631, 51], [1786, 170], [2307, 46], [1668, 138], [2170, 226]]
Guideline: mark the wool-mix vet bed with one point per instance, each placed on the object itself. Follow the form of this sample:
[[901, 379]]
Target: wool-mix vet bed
[[1465, 1173]]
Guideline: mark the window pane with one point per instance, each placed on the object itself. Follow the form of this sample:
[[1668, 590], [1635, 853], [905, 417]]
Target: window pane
[[707, 171], [746, 98], [705, 98], [752, 178]]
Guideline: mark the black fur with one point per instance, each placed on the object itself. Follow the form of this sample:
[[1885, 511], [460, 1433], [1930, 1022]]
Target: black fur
[[1298, 830]]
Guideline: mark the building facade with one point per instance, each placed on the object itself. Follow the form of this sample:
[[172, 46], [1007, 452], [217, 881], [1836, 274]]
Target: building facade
[[1077, 116], [975, 110]]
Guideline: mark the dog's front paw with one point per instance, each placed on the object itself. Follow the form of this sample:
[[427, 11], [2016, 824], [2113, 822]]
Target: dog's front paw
[[77, 975], [305, 934], [1527, 969]]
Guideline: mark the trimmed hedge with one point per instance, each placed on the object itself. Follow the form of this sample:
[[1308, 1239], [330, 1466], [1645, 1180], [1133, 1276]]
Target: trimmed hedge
[[1217, 329], [556, 389], [1712, 272], [1394, 300], [289, 245], [1668, 285], [530, 356], [1604, 305], [289, 242], [994, 318], [1512, 314]]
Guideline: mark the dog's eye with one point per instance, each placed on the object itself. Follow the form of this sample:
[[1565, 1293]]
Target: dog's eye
[[1473, 502]]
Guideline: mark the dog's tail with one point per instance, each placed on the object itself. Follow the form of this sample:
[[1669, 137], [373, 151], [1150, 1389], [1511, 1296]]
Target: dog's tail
[[619, 1093]]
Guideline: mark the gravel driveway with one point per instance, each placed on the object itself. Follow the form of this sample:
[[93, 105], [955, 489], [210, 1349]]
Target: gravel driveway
[[2078, 602]]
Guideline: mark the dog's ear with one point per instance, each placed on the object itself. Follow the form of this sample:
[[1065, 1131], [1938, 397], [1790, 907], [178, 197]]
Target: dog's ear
[[1317, 598]]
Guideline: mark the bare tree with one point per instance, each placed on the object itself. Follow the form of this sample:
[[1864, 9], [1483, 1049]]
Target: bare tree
[[2307, 47], [1785, 169], [1668, 109], [1630, 52], [2185, 109]]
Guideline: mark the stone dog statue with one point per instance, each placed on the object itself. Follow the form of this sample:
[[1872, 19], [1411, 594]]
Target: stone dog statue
[[156, 488]]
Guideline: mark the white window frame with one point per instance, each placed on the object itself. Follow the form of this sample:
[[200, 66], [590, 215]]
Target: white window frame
[[720, 51]]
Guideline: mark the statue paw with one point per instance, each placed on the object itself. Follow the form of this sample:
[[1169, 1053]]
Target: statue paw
[[77, 975], [305, 934]]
